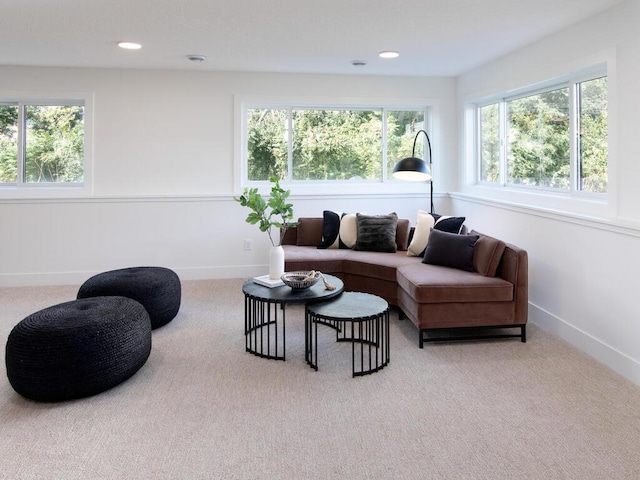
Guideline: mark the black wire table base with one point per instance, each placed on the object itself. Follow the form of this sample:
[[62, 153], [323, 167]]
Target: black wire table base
[[367, 331], [265, 314], [264, 329]]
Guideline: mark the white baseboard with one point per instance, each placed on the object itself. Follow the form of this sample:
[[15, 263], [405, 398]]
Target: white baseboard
[[77, 278], [609, 356]]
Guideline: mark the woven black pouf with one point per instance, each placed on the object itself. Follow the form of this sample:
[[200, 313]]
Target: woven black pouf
[[156, 288], [78, 348]]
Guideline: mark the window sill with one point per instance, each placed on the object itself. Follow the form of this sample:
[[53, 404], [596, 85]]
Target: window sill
[[44, 191], [346, 188], [578, 211]]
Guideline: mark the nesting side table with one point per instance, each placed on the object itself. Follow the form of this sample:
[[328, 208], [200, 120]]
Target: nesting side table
[[359, 318], [265, 313]]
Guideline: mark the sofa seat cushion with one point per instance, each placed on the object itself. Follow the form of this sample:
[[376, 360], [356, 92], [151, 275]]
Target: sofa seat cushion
[[436, 284], [378, 265], [310, 258]]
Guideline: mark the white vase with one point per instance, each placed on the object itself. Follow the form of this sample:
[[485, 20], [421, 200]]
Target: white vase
[[276, 262]]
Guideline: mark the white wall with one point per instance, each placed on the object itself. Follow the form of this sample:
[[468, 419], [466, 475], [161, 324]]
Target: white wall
[[163, 173], [583, 264]]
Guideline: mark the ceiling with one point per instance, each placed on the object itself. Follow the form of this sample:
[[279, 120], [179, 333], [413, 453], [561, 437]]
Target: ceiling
[[433, 37]]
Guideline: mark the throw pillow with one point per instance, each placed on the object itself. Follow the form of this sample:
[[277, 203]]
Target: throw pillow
[[487, 255], [426, 222], [450, 250], [376, 233], [446, 223], [348, 230], [330, 230], [420, 238]]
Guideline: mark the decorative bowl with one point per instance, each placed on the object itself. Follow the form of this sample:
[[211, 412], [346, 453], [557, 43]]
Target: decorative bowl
[[300, 280]]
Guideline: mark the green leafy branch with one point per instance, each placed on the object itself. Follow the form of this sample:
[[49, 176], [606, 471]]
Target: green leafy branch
[[276, 212]]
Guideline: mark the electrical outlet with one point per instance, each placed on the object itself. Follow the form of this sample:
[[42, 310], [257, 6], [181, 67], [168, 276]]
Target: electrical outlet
[[248, 245]]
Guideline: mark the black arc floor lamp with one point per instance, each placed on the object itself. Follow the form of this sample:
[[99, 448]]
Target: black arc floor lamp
[[415, 169]]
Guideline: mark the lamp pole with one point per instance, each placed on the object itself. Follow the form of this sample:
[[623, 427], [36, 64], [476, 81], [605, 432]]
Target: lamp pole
[[413, 154], [415, 169]]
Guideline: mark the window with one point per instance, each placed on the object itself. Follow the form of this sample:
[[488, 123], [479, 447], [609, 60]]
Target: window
[[490, 143], [328, 144], [42, 143], [538, 140], [592, 131], [552, 139]]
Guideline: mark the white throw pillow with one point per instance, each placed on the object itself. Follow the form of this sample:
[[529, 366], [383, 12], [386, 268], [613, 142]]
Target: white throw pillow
[[349, 230], [424, 224]]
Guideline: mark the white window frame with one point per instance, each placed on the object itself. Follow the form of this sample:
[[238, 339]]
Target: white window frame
[[387, 185], [22, 189], [571, 82]]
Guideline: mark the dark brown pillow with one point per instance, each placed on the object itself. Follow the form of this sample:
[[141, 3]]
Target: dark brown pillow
[[376, 233], [450, 250], [487, 254]]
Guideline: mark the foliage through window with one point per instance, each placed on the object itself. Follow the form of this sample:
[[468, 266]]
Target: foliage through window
[[41, 143], [328, 144], [554, 139]]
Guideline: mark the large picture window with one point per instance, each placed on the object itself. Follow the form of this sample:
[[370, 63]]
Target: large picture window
[[552, 139], [41, 143], [328, 144]]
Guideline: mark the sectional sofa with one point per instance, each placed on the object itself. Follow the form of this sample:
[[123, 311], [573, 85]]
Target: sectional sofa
[[444, 303]]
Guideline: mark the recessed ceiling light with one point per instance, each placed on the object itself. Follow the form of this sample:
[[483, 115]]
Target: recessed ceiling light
[[196, 58], [358, 63], [130, 45], [388, 54]]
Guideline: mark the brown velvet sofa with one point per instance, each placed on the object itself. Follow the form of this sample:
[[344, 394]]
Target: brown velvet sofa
[[435, 298]]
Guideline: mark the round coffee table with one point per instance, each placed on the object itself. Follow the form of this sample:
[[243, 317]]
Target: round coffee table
[[359, 318], [264, 329]]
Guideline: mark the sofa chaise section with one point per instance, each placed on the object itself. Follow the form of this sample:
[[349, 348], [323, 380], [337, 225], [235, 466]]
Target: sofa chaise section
[[437, 297]]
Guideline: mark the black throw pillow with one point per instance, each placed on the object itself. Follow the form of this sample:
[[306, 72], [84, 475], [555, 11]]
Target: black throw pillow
[[330, 230], [377, 233], [450, 250], [446, 223]]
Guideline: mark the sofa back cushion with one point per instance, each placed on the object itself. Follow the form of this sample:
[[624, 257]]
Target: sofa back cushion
[[402, 234], [309, 231], [487, 254]]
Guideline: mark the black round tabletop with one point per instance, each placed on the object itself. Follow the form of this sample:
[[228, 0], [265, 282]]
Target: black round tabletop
[[284, 294], [351, 306]]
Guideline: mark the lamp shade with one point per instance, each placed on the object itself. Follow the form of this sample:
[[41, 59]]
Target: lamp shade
[[413, 169]]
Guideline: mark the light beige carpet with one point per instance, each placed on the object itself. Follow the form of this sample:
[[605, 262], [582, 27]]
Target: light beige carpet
[[203, 408]]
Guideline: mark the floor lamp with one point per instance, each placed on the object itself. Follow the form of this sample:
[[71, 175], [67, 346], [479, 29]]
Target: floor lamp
[[415, 169]]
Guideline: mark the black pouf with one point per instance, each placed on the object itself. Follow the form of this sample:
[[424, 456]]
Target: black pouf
[[78, 348], [156, 288]]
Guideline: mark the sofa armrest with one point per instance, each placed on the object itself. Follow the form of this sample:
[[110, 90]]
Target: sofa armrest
[[514, 268]]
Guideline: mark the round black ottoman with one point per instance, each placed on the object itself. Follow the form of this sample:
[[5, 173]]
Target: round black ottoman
[[156, 288], [78, 348]]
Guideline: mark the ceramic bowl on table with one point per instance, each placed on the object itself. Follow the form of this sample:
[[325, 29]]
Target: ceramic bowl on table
[[300, 280]]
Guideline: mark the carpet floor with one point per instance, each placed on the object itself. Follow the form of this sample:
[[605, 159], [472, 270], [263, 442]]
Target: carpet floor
[[203, 408]]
